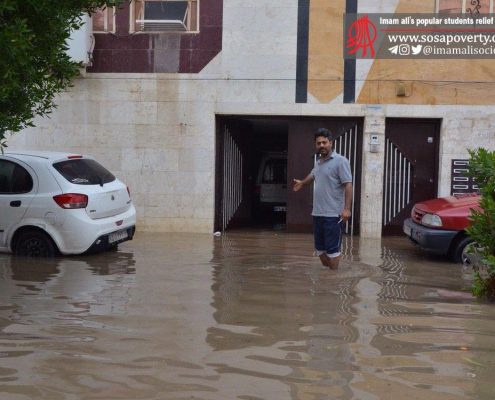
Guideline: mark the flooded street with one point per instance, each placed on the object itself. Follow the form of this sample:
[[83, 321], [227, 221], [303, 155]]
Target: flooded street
[[248, 315]]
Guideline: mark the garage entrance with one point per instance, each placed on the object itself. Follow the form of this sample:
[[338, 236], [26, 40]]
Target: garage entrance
[[256, 160]]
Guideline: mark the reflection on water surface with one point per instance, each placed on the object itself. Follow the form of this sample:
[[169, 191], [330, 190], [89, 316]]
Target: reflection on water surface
[[246, 315]]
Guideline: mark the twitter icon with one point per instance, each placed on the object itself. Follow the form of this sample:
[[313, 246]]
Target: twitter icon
[[415, 50]]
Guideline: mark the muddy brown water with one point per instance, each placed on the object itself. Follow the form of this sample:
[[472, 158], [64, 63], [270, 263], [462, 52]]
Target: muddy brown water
[[248, 315]]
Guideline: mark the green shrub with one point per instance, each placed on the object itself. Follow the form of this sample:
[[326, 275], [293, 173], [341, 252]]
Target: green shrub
[[482, 229]]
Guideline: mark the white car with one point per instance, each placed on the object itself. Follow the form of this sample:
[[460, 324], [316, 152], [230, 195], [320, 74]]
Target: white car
[[61, 203]]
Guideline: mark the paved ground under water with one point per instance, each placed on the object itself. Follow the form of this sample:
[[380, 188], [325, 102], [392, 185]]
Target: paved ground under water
[[247, 315]]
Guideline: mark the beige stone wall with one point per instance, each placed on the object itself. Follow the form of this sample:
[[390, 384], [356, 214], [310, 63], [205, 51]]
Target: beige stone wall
[[136, 126]]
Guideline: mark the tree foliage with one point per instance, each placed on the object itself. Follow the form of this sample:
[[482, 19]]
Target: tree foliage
[[482, 229], [34, 66]]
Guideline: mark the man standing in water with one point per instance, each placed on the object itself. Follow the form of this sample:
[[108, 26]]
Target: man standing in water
[[331, 200]]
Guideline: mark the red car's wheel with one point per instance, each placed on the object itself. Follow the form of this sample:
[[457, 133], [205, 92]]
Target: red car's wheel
[[459, 254]]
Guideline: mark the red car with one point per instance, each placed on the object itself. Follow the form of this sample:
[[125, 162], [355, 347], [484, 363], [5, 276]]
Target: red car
[[439, 225]]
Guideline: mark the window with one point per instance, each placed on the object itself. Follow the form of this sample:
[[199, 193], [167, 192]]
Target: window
[[464, 6], [104, 20], [14, 179], [275, 171], [84, 172], [164, 16]]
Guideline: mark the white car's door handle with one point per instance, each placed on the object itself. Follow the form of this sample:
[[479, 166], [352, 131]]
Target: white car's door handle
[[15, 203]]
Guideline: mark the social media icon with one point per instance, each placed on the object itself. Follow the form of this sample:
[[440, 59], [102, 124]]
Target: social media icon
[[404, 49], [394, 49], [416, 49]]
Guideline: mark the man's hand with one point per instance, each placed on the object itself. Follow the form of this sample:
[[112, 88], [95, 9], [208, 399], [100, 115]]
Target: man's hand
[[298, 184], [345, 215]]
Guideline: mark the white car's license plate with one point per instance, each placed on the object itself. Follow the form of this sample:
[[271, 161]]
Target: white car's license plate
[[407, 230], [116, 236]]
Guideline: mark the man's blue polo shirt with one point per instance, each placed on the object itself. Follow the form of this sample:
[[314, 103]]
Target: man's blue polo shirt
[[330, 176]]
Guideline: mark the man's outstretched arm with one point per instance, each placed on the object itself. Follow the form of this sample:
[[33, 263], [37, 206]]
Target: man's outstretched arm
[[298, 184]]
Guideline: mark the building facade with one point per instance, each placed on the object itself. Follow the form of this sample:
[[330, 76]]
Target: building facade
[[182, 109]]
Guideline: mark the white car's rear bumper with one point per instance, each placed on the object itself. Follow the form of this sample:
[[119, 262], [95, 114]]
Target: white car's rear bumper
[[79, 233]]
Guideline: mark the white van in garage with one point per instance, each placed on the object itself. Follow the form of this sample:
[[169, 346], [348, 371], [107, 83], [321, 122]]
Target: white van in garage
[[271, 182]]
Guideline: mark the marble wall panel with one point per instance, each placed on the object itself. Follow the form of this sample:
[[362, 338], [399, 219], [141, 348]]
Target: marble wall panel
[[199, 225]]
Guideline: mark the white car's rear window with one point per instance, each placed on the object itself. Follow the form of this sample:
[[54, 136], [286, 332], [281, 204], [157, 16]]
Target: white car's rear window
[[84, 172]]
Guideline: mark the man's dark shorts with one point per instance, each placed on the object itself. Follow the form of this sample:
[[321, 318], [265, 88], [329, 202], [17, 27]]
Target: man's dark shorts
[[328, 235]]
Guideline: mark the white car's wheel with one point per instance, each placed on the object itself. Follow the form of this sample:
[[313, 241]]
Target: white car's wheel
[[34, 244]]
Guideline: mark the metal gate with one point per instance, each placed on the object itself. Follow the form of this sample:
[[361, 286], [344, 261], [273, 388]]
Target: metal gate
[[347, 145], [233, 204], [398, 188], [411, 168], [232, 178]]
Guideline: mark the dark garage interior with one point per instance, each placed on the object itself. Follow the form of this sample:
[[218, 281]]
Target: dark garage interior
[[256, 160], [256, 155]]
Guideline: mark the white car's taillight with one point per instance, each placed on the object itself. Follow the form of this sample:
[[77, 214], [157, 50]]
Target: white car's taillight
[[71, 200], [432, 220]]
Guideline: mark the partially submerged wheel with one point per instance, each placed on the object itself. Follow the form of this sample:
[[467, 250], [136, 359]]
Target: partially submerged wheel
[[460, 251], [34, 244]]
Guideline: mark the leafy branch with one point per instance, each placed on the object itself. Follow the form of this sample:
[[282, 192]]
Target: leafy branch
[[482, 228], [34, 65]]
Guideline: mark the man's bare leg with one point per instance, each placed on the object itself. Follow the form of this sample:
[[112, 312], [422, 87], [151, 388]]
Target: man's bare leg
[[330, 262], [333, 262], [325, 260]]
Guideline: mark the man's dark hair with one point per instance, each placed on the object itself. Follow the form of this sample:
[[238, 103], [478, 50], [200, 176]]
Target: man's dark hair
[[323, 132]]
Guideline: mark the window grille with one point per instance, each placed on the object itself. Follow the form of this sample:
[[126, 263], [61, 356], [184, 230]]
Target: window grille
[[164, 16]]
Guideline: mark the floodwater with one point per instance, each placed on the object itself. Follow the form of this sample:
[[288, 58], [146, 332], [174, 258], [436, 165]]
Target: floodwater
[[248, 315]]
